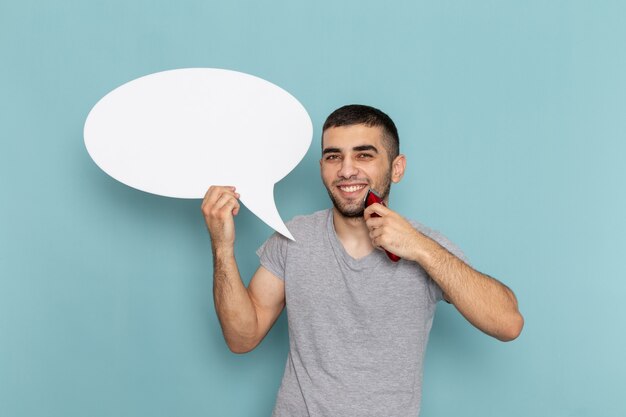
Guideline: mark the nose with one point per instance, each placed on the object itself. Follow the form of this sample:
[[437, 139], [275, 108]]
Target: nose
[[348, 169]]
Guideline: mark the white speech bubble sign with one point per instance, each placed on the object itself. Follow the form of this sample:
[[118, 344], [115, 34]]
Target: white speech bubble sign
[[174, 133]]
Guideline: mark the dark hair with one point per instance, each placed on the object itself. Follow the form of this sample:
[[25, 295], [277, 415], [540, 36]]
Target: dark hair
[[356, 114]]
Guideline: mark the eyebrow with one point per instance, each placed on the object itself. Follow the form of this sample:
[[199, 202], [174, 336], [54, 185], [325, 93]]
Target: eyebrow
[[365, 148], [356, 149], [331, 150]]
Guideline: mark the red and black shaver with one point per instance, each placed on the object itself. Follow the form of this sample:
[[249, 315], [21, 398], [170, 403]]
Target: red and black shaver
[[370, 199]]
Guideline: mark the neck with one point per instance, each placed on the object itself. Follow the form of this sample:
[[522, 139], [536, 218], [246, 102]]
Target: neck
[[353, 234]]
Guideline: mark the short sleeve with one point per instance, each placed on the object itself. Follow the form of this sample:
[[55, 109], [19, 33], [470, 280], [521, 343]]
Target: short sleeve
[[273, 254], [449, 246]]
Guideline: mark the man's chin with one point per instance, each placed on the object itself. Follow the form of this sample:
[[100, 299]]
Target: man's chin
[[349, 212], [354, 210]]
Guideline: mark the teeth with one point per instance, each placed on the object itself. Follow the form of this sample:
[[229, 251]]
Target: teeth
[[352, 188]]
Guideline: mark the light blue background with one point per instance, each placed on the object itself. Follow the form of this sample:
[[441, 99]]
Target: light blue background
[[513, 118]]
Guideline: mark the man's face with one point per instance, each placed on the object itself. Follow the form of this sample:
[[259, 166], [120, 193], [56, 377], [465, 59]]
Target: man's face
[[354, 159]]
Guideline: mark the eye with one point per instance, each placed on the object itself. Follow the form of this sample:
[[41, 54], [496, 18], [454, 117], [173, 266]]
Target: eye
[[331, 157], [365, 156]]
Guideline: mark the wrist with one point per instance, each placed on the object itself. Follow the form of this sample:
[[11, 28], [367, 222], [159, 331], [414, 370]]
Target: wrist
[[422, 248], [223, 250]]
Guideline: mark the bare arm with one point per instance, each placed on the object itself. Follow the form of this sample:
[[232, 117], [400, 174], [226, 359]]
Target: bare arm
[[245, 314], [484, 301]]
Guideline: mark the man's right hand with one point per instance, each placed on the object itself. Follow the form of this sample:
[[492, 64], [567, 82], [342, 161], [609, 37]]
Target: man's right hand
[[219, 206]]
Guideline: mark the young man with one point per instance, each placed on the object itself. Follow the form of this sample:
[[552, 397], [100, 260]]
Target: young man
[[358, 323]]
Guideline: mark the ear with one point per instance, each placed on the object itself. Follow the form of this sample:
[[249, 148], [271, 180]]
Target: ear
[[322, 150], [397, 168]]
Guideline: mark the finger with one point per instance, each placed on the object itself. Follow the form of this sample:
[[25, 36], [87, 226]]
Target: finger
[[369, 212], [210, 207], [232, 207], [218, 189], [376, 233], [379, 241], [225, 199], [233, 190], [211, 195], [215, 192], [376, 244], [228, 202], [374, 222], [376, 208], [206, 195]]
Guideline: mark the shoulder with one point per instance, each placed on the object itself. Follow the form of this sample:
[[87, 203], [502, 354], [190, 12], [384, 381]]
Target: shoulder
[[439, 238], [306, 230], [305, 226]]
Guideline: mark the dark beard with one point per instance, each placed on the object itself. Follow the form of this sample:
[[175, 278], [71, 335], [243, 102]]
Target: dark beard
[[360, 208], [344, 211]]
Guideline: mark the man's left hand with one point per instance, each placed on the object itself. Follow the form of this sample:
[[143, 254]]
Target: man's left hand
[[392, 232]]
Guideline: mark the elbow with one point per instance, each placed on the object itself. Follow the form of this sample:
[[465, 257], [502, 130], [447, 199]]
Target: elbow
[[241, 339], [513, 329], [240, 347], [239, 350]]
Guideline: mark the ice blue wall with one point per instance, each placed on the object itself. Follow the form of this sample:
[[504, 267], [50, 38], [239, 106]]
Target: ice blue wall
[[513, 118]]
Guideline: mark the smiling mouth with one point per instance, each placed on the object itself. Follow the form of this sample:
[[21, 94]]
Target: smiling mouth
[[351, 188]]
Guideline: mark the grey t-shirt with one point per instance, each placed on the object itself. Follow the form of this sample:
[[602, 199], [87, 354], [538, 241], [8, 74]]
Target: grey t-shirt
[[358, 328]]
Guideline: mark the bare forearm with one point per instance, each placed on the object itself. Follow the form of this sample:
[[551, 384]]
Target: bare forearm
[[485, 302], [482, 300], [233, 305]]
